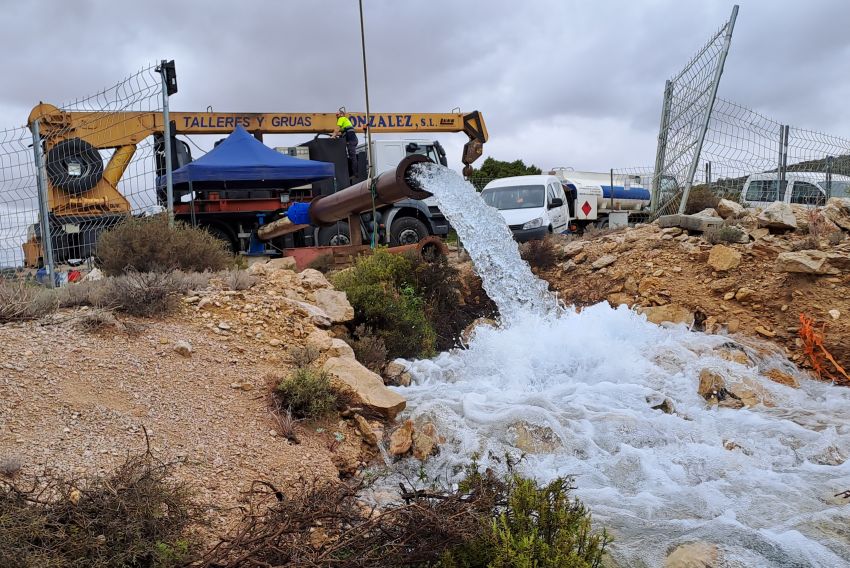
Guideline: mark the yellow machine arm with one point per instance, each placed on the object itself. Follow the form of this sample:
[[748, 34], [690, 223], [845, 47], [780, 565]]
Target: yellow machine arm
[[123, 130]]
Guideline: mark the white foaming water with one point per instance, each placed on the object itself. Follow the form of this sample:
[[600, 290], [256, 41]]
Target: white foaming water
[[506, 278], [572, 389]]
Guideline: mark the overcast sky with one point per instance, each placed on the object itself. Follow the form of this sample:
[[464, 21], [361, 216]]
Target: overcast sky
[[561, 82]]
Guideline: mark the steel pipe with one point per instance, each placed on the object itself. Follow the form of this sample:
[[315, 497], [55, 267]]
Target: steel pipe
[[389, 187]]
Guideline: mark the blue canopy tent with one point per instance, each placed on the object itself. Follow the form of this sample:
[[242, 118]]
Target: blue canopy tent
[[241, 161]]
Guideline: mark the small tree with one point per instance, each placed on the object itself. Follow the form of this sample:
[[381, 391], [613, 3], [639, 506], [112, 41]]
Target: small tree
[[492, 169]]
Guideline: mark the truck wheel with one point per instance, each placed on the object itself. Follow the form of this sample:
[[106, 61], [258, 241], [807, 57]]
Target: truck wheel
[[334, 235], [223, 236], [74, 165], [407, 231]]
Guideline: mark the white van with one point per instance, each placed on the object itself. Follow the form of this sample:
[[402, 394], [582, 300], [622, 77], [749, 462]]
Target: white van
[[803, 188], [532, 206]]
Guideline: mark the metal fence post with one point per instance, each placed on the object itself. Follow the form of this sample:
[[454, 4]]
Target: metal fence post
[[730, 27], [166, 132], [829, 163], [43, 213], [661, 152]]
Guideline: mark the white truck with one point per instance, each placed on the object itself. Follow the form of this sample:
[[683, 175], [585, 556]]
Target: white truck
[[593, 200]]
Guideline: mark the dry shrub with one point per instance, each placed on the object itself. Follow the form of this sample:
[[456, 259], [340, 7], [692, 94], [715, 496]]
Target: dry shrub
[[97, 320], [701, 197], [724, 234], [77, 294], [10, 466], [303, 356], [20, 301], [817, 226], [306, 393], [147, 244], [136, 516], [541, 254], [190, 281], [141, 293], [835, 237], [368, 348], [236, 279], [485, 521]]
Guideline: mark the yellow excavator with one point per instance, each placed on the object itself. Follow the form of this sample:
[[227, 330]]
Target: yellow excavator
[[83, 192]]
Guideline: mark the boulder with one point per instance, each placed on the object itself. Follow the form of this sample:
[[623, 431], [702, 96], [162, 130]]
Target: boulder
[[777, 215], [340, 348], [620, 298], [805, 262], [573, 248], [726, 209], [672, 313], [283, 263], [335, 304], [723, 284], [319, 341], [707, 212], [694, 555], [365, 387], [401, 440], [604, 261], [93, 275], [425, 442], [837, 210], [317, 316], [313, 279], [722, 258], [711, 384]]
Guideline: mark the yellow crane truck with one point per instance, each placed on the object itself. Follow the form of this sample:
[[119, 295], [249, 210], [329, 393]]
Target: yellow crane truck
[[83, 192]]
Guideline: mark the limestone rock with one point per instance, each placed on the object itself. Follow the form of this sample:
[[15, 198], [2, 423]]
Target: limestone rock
[[763, 331], [93, 275], [782, 378], [317, 316], [726, 209], [319, 341], [805, 262], [711, 384], [723, 284], [604, 261], [469, 332], [573, 248], [620, 298], [365, 430], [708, 212], [183, 347], [694, 555], [393, 373], [282, 263], [340, 348], [735, 356], [335, 304], [257, 269], [313, 279], [365, 387], [744, 294], [837, 210], [722, 258], [425, 442], [672, 313], [777, 215], [401, 440]]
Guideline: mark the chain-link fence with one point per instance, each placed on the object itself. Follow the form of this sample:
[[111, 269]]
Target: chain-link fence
[[97, 161], [686, 111]]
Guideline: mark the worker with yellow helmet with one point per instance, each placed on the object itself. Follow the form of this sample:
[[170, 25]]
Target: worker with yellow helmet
[[345, 128]]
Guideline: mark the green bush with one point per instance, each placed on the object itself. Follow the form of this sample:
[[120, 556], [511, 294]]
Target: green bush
[[306, 393], [382, 290], [540, 527], [147, 244], [724, 234]]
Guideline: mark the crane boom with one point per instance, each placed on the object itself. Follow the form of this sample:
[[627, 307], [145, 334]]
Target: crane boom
[[123, 130]]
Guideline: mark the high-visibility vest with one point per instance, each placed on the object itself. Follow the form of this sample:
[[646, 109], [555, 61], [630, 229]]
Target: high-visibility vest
[[343, 123]]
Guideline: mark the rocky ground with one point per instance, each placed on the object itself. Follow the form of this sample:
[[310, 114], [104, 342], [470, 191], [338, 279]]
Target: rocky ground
[[756, 287], [77, 402]]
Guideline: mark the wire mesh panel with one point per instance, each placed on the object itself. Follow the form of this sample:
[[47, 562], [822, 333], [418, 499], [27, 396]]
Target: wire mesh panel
[[18, 195], [688, 100], [100, 160]]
